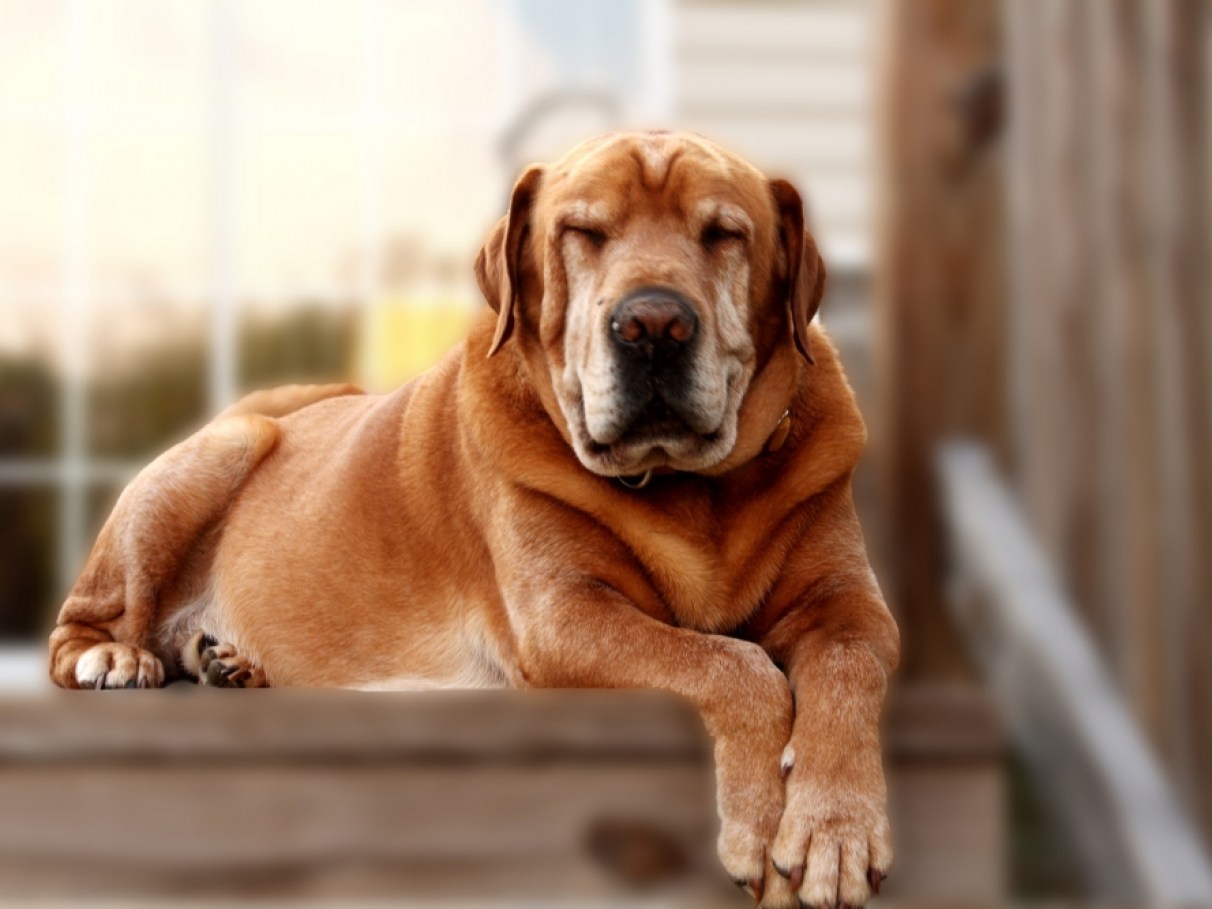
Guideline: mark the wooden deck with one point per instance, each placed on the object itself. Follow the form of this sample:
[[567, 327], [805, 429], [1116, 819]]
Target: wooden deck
[[503, 798]]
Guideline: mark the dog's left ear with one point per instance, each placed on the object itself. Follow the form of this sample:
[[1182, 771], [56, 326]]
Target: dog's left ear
[[499, 264], [805, 268]]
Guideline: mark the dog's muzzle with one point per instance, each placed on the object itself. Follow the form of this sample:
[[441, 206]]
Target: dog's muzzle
[[655, 334]]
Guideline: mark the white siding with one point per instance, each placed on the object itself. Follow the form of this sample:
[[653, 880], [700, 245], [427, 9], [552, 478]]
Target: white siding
[[787, 83]]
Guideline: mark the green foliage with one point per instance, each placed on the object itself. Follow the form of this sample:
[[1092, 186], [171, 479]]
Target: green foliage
[[28, 519], [137, 409], [29, 428], [312, 344], [29, 408]]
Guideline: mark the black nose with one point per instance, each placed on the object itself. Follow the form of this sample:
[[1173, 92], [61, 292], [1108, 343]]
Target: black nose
[[654, 318]]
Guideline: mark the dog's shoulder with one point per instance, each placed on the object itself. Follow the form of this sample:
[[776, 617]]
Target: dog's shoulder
[[827, 435]]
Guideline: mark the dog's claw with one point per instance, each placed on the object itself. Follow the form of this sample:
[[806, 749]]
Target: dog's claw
[[874, 879], [755, 888], [796, 877]]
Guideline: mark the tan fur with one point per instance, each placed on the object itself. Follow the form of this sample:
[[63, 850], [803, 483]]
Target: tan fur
[[453, 534]]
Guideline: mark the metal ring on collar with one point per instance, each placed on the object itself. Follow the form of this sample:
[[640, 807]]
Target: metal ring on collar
[[638, 481]]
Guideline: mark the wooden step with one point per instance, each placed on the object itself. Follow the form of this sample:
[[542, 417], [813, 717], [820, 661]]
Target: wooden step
[[496, 797]]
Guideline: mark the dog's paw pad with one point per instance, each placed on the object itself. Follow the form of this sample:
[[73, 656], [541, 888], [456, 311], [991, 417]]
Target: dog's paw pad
[[190, 656], [222, 667]]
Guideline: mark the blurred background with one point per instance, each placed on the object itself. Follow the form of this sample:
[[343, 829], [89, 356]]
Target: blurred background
[[203, 197]]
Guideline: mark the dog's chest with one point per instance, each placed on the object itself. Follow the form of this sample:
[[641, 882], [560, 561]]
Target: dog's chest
[[711, 579]]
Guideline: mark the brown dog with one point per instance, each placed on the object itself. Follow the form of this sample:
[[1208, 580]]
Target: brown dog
[[635, 473]]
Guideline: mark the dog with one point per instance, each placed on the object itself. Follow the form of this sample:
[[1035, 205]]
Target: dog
[[635, 472]]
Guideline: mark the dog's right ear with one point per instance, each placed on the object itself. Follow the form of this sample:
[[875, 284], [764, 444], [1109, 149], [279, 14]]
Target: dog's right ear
[[499, 264]]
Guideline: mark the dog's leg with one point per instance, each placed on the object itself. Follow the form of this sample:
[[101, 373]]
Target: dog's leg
[[219, 665], [743, 698], [577, 632], [105, 625], [839, 644]]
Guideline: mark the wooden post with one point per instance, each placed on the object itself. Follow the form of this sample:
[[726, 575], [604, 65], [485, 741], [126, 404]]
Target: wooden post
[[1108, 160], [1176, 39], [1125, 534], [939, 299]]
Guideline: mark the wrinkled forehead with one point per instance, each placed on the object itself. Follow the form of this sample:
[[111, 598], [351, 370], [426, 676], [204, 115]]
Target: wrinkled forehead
[[677, 174]]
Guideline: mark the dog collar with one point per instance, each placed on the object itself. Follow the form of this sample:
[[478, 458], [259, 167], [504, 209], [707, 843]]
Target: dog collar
[[778, 438]]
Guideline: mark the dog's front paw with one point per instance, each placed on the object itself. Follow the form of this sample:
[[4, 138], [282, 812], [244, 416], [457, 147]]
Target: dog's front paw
[[118, 666], [834, 846], [748, 776], [220, 665], [744, 842]]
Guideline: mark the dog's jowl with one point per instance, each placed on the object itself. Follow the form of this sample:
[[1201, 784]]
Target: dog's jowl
[[635, 472]]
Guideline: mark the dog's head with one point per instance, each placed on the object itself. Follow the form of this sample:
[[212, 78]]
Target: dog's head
[[646, 278]]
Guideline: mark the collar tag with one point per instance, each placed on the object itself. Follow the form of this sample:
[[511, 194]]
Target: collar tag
[[778, 438], [637, 481]]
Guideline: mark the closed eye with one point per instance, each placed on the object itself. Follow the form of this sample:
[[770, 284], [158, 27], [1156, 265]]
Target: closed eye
[[592, 235], [717, 234]]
